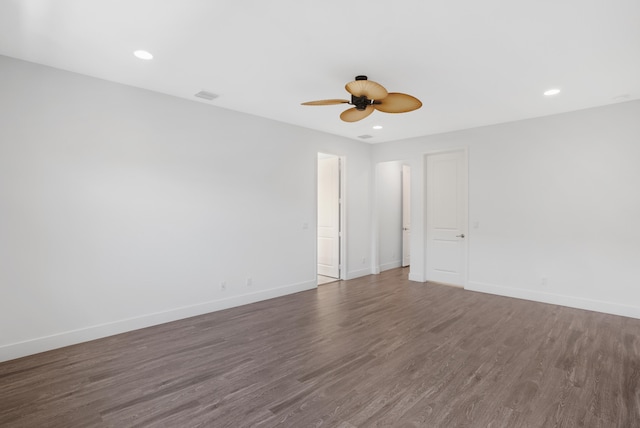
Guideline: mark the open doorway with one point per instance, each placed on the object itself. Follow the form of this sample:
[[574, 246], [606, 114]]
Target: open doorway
[[329, 218], [390, 216]]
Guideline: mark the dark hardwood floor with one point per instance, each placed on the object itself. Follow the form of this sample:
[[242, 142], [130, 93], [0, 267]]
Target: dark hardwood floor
[[375, 351]]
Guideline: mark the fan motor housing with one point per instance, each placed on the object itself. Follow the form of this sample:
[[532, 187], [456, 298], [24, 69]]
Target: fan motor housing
[[360, 103]]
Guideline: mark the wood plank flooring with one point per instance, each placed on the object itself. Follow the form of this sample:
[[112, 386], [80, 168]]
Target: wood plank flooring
[[374, 351]]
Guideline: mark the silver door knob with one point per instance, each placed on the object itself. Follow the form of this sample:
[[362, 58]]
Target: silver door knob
[[460, 236]]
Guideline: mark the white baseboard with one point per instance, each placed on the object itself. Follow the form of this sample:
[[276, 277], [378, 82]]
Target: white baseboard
[[358, 273], [557, 299], [390, 265], [59, 340]]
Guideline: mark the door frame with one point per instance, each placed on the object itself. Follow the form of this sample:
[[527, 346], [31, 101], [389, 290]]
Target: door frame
[[405, 171], [465, 243], [342, 218]]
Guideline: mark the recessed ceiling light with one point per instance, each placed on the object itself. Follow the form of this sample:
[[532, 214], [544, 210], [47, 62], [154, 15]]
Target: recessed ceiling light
[[552, 92], [377, 127], [143, 55]]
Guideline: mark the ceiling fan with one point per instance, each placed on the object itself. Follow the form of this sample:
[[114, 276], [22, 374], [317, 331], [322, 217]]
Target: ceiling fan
[[367, 96]]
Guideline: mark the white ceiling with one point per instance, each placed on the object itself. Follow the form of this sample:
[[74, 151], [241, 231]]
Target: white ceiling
[[472, 63]]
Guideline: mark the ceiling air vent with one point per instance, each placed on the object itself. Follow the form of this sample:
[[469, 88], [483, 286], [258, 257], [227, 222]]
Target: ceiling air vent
[[206, 95], [365, 136]]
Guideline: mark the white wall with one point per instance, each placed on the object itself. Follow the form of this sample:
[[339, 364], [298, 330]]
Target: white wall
[[121, 208], [388, 197], [557, 205]]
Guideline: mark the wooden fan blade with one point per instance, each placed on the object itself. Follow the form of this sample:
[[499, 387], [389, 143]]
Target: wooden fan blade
[[324, 102], [396, 102], [367, 88], [354, 115]]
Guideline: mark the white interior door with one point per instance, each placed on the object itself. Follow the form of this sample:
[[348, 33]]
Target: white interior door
[[406, 215], [329, 216], [446, 217]]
